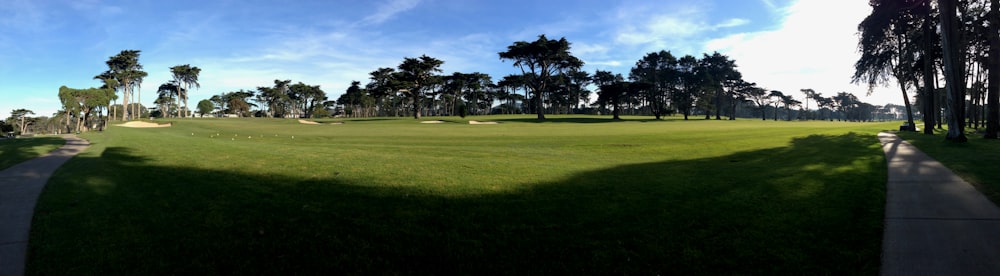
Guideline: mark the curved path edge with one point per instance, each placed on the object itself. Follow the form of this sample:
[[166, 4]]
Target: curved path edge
[[935, 222], [20, 186]]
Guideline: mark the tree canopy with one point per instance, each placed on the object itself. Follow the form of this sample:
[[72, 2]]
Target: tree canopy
[[539, 61]]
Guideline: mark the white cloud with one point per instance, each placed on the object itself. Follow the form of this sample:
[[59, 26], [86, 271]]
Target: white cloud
[[769, 3], [815, 47], [675, 27], [389, 9], [644, 28], [609, 63], [735, 22]]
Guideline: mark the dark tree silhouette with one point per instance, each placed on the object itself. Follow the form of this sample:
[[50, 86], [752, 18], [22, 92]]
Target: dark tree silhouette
[[540, 61]]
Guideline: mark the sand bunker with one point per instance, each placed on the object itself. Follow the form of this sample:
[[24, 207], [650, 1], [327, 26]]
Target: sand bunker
[[140, 124], [318, 123], [432, 122], [482, 123]]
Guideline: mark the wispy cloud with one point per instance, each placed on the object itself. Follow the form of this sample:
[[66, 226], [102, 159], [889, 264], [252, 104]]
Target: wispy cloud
[[22, 16], [605, 63], [387, 10], [734, 22], [677, 27], [769, 3]]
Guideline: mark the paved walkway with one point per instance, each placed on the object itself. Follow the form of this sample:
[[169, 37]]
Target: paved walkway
[[935, 222], [19, 189]]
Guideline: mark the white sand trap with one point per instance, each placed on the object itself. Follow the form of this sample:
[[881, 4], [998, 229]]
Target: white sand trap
[[140, 124], [432, 122], [482, 123], [308, 122]]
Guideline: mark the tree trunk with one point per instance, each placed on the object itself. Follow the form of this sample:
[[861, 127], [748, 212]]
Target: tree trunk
[[732, 110], [993, 77], [928, 46], [953, 71], [186, 87], [906, 103], [178, 100], [540, 106], [68, 129], [416, 107], [775, 112], [718, 104], [124, 99]]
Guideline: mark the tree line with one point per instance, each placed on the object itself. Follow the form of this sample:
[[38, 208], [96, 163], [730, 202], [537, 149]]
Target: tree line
[[124, 77], [550, 81], [920, 44]]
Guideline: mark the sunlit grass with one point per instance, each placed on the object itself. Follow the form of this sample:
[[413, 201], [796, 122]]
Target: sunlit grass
[[575, 194], [975, 161], [14, 151]]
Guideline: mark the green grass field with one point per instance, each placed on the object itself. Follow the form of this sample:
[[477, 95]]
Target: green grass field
[[974, 161], [14, 151], [582, 195]]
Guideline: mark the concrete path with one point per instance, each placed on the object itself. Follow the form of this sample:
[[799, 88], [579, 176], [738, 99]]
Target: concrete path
[[19, 189], [935, 222]]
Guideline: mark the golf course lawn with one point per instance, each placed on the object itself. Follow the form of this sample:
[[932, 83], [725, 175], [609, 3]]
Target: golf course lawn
[[573, 194], [974, 161], [14, 151]]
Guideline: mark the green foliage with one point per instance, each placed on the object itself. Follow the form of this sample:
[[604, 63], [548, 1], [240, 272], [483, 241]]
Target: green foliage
[[80, 103], [569, 195], [185, 76], [463, 109], [124, 74], [205, 107], [21, 118], [320, 112], [540, 61], [417, 75]]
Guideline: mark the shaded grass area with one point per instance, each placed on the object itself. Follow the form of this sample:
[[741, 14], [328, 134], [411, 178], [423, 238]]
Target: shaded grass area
[[974, 161], [395, 197], [15, 151]]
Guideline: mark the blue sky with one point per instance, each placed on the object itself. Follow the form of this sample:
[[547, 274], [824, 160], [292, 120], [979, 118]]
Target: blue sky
[[779, 44]]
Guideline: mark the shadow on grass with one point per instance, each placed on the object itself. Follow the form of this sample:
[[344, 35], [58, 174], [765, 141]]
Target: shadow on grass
[[974, 161], [746, 213], [15, 151], [578, 120]]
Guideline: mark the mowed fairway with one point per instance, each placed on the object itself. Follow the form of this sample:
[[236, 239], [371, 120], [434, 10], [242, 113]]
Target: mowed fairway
[[582, 195]]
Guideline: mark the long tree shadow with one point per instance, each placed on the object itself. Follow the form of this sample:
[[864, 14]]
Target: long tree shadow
[[14, 151], [754, 213]]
